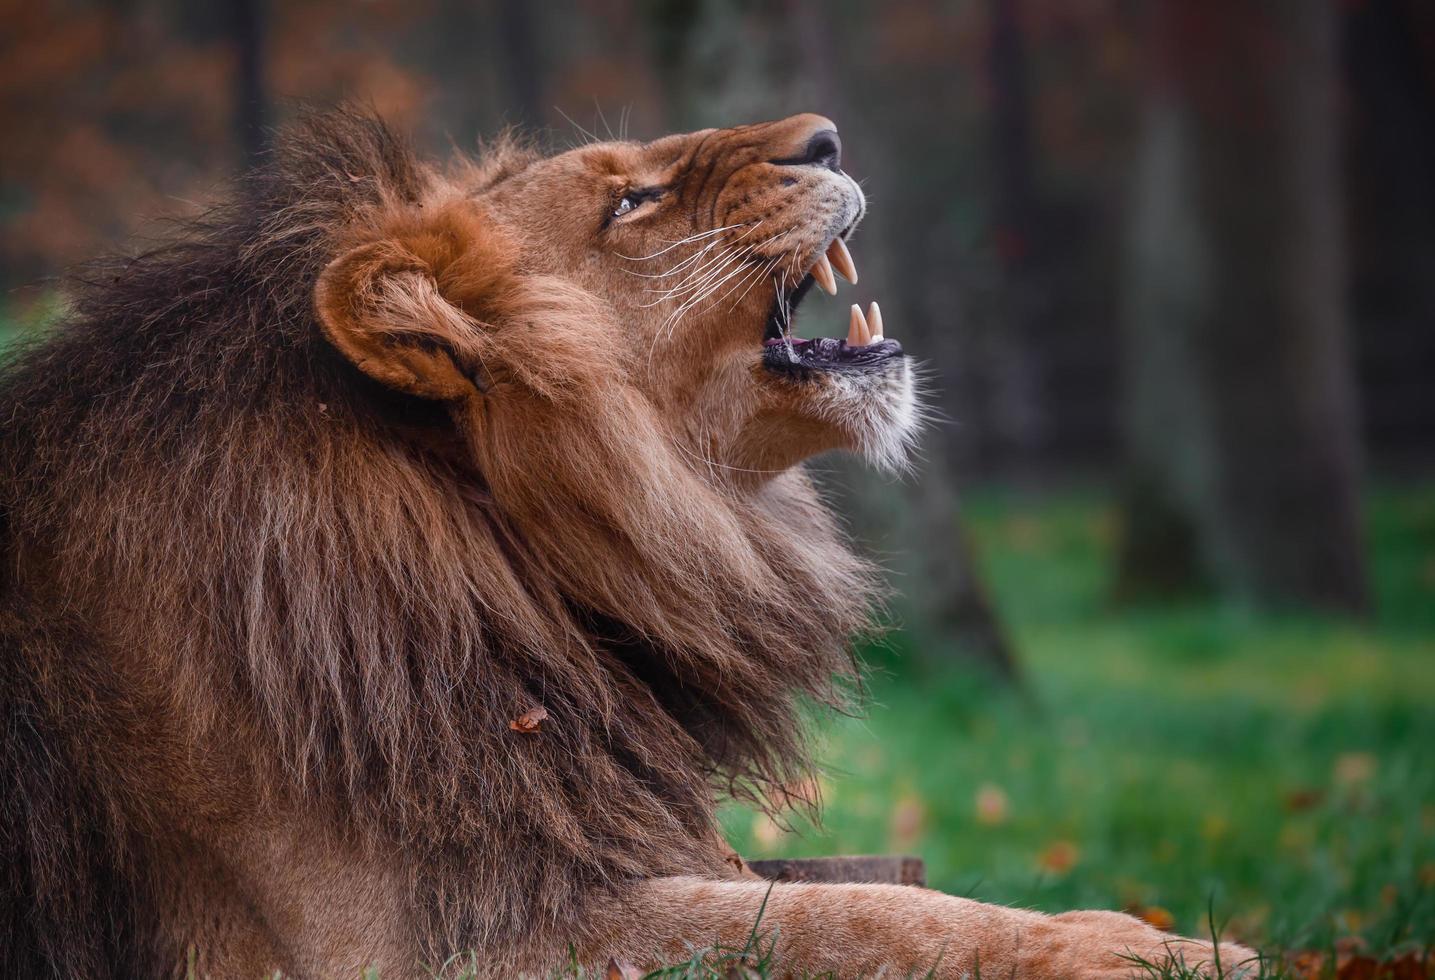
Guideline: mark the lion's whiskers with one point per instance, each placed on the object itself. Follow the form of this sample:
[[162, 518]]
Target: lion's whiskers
[[696, 256], [713, 282], [714, 272], [692, 280], [681, 241], [713, 464], [698, 273]]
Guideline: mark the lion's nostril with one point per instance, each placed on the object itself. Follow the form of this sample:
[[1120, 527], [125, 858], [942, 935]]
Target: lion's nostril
[[824, 149]]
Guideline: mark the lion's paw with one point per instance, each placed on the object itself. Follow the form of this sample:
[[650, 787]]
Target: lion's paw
[[1113, 946]]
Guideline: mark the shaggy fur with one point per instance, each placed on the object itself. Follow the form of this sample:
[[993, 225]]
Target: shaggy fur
[[218, 536], [384, 578]]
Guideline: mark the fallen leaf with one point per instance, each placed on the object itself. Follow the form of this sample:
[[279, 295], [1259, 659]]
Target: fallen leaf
[[1411, 966], [529, 721], [735, 859], [908, 820], [1060, 857], [1350, 945], [991, 804], [1306, 965], [1353, 768], [1155, 915], [1351, 962], [1359, 968], [1303, 799]]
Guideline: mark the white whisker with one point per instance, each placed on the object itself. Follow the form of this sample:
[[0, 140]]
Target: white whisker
[[592, 137], [725, 466], [681, 241]]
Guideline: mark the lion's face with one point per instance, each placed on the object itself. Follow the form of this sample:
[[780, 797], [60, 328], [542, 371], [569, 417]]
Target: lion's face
[[691, 255]]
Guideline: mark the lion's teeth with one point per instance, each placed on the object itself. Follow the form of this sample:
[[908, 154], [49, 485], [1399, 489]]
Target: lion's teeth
[[874, 318], [842, 260], [822, 272], [857, 332]]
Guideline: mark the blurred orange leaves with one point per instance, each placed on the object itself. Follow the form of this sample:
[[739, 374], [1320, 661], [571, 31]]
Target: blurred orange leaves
[[907, 822], [1351, 962], [1059, 857], [991, 805], [117, 114]]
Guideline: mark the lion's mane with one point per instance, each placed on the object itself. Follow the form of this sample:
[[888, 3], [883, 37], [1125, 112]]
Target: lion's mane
[[238, 576]]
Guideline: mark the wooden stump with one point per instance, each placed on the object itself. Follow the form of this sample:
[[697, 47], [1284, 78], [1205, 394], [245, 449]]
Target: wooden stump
[[869, 869]]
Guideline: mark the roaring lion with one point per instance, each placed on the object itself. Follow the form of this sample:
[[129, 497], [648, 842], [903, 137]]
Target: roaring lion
[[400, 561]]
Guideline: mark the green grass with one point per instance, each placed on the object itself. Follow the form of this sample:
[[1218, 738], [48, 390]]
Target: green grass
[[21, 322], [1277, 769]]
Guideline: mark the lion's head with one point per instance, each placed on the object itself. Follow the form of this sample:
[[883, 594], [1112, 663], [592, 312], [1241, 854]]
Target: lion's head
[[305, 509], [674, 267]]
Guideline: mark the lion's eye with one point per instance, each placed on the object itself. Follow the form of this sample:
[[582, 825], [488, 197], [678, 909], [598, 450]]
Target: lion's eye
[[634, 198]]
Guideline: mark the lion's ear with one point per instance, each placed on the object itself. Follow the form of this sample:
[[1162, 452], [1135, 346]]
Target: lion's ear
[[380, 305]]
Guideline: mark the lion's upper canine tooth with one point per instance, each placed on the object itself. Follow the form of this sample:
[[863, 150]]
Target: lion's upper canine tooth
[[857, 332], [842, 260], [874, 319], [822, 272]]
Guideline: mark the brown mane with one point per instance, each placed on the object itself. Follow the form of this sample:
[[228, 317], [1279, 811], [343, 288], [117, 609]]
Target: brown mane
[[238, 539]]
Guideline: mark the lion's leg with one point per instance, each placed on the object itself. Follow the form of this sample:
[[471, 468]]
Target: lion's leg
[[863, 930]]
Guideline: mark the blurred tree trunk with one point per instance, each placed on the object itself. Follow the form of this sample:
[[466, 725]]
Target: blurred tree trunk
[[1012, 350], [950, 595], [1243, 454], [1389, 48], [251, 100]]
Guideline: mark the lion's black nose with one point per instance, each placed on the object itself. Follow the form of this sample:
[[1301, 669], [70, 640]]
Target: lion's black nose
[[823, 149]]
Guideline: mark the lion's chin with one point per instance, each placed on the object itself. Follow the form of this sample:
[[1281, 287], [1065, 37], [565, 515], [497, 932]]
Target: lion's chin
[[875, 407]]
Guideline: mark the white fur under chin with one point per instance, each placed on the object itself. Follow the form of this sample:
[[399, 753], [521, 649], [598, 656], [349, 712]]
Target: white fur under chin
[[880, 410]]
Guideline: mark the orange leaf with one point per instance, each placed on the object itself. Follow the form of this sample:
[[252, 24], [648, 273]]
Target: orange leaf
[[1297, 800], [1306, 965], [1155, 915], [992, 805], [1059, 858], [529, 721], [1358, 968]]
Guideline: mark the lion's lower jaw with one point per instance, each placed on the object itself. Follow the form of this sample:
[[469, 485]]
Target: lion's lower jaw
[[881, 411]]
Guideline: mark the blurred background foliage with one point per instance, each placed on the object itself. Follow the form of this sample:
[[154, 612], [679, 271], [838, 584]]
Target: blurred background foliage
[[1171, 269]]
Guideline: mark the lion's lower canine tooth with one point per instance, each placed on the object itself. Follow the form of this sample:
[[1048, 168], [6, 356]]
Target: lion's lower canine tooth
[[857, 330], [842, 260], [822, 272], [874, 318]]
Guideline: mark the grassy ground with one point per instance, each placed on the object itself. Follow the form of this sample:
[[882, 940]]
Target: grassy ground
[[1277, 769]]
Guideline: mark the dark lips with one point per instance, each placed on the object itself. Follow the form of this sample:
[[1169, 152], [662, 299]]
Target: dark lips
[[802, 357]]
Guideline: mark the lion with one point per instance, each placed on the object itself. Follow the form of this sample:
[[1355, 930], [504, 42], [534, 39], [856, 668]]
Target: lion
[[402, 559]]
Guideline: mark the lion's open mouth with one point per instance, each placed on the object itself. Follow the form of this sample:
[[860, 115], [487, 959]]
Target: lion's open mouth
[[865, 347]]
